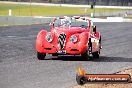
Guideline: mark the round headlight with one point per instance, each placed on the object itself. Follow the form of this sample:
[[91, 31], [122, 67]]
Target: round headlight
[[49, 37], [73, 38]]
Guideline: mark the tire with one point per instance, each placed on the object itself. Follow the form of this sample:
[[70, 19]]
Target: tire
[[85, 55], [95, 54], [81, 80], [41, 56], [54, 54]]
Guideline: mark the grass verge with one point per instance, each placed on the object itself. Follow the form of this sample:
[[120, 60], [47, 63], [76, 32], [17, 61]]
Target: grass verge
[[27, 10]]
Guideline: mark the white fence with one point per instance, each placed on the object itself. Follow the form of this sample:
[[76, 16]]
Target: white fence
[[22, 20]]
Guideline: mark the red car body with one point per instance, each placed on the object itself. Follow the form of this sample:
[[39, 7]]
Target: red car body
[[69, 40]]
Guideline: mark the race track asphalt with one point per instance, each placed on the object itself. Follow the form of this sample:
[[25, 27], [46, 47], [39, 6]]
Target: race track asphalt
[[19, 67]]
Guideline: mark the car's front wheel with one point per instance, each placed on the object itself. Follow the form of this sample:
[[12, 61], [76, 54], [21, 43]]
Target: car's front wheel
[[41, 56], [85, 56]]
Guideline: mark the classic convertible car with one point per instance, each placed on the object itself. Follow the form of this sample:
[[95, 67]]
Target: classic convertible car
[[69, 36]]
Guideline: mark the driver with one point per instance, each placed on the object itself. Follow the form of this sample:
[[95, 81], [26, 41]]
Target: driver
[[66, 22]]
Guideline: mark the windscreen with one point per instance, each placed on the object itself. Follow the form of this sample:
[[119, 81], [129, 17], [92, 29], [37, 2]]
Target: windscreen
[[69, 22]]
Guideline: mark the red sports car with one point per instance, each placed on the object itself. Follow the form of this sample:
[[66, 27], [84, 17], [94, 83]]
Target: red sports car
[[69, 36]]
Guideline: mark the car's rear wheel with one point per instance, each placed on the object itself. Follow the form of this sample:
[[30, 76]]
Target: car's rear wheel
[[85, 55], [95, 54], [41, 56]]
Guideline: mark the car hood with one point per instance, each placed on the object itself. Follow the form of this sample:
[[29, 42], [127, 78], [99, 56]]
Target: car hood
[[69, 30]]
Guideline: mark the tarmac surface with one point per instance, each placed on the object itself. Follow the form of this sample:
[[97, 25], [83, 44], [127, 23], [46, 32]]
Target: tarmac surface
[[19, 67]]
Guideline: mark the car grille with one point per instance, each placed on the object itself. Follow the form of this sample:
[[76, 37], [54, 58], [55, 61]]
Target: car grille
[[62, 40]]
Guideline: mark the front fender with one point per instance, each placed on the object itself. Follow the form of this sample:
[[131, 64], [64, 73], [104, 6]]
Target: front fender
[[84, 37], [80, 46], [40, 40], [43, 46]]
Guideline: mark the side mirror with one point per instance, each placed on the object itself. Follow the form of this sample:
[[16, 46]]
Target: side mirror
[[94, 29]]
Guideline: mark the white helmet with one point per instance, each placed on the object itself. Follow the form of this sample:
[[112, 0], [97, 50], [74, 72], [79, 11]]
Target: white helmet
[[66, 21]]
